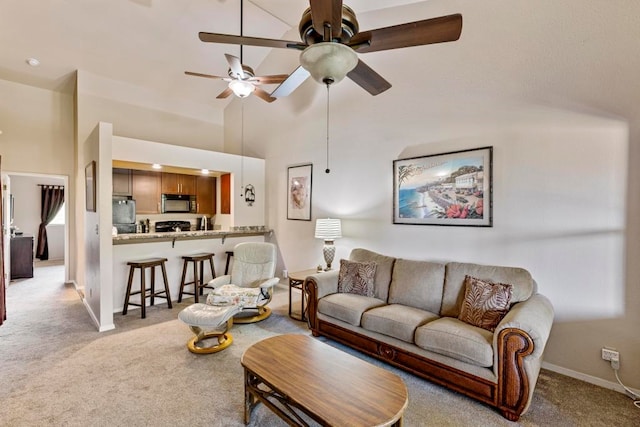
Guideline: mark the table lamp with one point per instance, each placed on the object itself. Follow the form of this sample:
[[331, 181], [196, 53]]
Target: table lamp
[[328, 229]]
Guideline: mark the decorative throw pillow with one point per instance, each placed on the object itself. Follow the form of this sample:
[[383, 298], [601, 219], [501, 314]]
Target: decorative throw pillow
[[485, 303], [356, 277]]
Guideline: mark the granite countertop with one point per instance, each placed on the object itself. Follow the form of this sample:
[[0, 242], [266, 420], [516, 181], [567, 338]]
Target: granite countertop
[[128, 238]]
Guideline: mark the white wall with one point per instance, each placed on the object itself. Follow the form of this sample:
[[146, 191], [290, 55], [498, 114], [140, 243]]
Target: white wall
[[552, 87], [27, 202], [37, 138]]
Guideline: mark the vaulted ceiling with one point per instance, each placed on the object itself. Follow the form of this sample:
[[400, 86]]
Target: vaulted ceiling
[[146, 43]]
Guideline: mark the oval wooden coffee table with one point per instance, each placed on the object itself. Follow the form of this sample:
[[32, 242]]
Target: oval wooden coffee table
[[293, 373]]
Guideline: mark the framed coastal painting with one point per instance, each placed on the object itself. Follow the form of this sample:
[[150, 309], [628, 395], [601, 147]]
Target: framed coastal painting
[[299, 192], [444, 189]]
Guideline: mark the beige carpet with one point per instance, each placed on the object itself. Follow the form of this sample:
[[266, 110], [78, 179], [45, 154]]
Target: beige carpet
[[56, 370]]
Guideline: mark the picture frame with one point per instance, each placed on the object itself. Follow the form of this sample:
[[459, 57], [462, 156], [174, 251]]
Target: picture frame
[[299, 192], [90, 186], [451, 189]]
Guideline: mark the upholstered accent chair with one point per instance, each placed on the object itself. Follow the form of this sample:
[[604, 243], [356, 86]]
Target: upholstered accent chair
[[251, 281]]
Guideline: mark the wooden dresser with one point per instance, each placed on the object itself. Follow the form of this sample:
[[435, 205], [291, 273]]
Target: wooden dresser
[[21, 257]]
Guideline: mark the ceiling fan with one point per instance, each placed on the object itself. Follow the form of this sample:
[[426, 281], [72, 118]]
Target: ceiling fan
[[331, 37], [243, 81]]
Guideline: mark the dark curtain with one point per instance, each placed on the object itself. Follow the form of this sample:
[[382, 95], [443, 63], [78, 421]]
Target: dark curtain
[[52, 199]]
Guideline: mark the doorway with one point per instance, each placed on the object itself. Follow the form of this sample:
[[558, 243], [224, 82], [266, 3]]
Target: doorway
[[22, 191]]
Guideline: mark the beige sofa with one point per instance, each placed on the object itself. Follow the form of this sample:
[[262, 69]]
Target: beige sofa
[[411, 321]]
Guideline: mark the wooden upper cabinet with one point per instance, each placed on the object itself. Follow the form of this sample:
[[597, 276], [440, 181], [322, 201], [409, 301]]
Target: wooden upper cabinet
[[225, 193], [187, 184], [122, 182], [146, 191], [175, 183], [206, 194]]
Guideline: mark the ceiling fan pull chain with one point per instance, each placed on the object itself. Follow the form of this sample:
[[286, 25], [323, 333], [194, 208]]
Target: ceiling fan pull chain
[[241, 33], [241, 147], [327, 170]]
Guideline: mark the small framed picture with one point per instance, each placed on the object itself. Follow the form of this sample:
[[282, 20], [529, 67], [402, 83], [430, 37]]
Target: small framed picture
[[90, 186], [444, 189], [299, 192]]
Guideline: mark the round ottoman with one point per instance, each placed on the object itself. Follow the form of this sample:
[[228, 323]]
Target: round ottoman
[[209, 321]]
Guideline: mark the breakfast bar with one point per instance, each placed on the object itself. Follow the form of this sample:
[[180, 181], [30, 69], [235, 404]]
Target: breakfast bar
[[173, 246]]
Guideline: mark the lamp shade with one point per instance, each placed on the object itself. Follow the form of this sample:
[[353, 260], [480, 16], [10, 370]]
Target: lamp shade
[[328, 62], [241, 88], [328, 229]]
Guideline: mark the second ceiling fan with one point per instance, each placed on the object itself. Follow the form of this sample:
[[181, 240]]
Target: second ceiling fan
[[331, 39], [243, 81]]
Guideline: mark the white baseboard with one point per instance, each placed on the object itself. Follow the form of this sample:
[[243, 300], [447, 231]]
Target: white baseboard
[[101, 328], [588, 378]]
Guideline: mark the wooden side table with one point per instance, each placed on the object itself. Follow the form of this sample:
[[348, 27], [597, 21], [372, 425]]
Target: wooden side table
[[296, 281]]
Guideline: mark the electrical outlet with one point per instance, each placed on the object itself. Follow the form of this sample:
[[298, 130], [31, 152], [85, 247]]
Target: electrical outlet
[[615, 361], [609, 353]]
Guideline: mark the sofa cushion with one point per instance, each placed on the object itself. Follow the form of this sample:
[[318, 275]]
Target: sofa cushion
[[347, 307], [396, 320], [485, 303], [417, 284], [356, 277], [454, 338], [384, 267], [519, 278]]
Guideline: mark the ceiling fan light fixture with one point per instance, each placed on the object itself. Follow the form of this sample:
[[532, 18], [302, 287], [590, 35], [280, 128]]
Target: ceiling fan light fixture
[[328, 62], [241, 88]]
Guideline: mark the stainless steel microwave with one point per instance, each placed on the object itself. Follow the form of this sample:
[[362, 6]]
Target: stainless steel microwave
[[178, 203]]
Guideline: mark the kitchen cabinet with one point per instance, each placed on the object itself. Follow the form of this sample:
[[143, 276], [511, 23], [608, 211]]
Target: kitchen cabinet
[[146, 191], [225, 193], [122, 182], [21, 257], [206, 195], [175, 183]]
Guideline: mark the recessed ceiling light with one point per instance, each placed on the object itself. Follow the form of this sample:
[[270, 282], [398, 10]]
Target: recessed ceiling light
[[156, 166], [33, 62]]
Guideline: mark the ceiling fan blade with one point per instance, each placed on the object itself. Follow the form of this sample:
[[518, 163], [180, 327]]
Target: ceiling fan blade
[[260, 93], [368, 79], [209, 76], [249, 41], [235, 65], [294, 80], [268, 80], [225, 93], [327, 12], [429, 31]]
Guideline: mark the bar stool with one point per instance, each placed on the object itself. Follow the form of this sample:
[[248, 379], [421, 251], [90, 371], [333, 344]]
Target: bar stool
[[144, 291], [198, 274], [226, 267]]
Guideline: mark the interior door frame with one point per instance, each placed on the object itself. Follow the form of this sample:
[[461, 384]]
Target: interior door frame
[[67, 208], [3, 305]]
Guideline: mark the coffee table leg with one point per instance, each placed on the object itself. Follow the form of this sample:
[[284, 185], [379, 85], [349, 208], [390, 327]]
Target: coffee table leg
[[247, 399]]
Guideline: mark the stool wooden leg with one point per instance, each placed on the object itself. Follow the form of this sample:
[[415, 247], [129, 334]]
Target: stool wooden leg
[[153, 284], [201, 283], [126, 298], [196, 285], [213, 270], [184, 275], [143, 293], [226, 267], [166, 285]]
